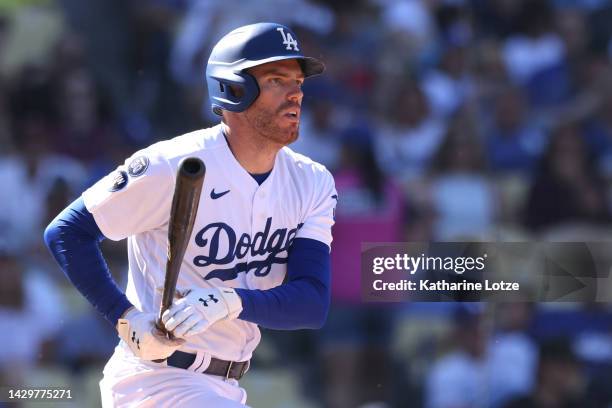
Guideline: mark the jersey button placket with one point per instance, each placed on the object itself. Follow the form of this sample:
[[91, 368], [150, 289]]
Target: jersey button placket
[[250, 230], [261, 195]]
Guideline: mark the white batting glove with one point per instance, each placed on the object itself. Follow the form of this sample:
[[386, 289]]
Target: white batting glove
[[199, 309], [138, 330]]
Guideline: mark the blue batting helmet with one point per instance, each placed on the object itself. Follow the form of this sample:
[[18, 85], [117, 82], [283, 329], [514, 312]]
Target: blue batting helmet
[[246, 47]]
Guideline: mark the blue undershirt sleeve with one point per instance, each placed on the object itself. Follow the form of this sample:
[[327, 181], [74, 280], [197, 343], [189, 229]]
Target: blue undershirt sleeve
[[302, 302], [73, 238]]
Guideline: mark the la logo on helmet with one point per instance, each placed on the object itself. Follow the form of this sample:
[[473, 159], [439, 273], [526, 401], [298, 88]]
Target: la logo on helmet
[[288, 39]]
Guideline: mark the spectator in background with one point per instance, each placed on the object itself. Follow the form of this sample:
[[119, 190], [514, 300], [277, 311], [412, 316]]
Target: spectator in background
[[589, 329], [512, 354], [30, 172], [68, 54], [407, 142], [355, 339], [513, 143], [490, 74], [85, 130], [352, 55], [598, 136], [409, 35], [31, 309], [411, 21], [485, 370], [536, 57], [22, 209], [451, 85], [535, 46], [560, 380], [459, 191], [459, 378], [567, 187]]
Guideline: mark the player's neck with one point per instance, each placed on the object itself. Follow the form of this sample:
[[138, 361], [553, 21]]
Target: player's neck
[[256, 155]]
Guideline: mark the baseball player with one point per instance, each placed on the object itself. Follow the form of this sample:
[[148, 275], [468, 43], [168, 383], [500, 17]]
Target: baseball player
[[260, 248]]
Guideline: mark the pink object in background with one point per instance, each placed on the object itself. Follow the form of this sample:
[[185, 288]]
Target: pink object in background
[[360, 218]]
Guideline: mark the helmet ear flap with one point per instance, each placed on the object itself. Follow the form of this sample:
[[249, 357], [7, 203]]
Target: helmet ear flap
[[250, 89], [234, 94]]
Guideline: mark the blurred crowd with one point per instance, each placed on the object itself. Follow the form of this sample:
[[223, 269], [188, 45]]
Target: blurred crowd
[[441, 120]]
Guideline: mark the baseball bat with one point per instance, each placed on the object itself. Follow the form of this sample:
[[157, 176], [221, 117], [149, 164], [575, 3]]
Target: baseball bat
[[185, 201]]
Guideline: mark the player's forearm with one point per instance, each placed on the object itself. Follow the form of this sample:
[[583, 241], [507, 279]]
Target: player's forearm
[[300, 303], [72, 237], [291, 306]]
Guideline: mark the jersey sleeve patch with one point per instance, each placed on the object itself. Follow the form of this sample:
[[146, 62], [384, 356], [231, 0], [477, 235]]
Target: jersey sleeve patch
[[118, 180], [138, 166], [124, 205]]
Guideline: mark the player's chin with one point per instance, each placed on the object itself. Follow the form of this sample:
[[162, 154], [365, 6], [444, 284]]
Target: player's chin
[[289, 133], [292, 135]]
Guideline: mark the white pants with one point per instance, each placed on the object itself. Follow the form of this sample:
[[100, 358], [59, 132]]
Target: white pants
[[131, 382]]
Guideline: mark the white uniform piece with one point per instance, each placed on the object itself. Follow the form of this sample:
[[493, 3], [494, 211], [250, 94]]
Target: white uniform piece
[[240, 239]]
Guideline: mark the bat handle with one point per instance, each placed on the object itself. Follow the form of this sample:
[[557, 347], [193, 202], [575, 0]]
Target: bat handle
[[159, 325]]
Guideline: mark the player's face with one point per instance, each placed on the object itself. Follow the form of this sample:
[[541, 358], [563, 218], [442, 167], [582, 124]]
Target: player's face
[[275, 114]]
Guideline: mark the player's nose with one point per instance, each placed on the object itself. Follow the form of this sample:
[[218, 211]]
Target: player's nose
[[295, 93]]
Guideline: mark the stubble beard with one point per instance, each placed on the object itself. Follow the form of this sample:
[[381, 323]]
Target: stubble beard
[[265, 123]]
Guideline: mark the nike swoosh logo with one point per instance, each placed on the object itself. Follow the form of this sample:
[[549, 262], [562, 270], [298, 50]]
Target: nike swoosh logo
[[214, 195]]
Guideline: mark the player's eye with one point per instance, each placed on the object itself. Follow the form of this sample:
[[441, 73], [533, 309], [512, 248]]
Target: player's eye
[[276, 80]]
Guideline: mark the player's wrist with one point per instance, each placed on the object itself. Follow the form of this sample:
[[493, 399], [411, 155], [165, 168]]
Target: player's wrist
[[125, 321], [129, 311], [232, 301]]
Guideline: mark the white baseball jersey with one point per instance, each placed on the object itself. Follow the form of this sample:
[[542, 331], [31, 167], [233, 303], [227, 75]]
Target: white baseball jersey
[[241, 234]]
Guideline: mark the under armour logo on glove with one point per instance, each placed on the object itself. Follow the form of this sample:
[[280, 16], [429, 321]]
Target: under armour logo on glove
[[135, 340], [205, 302]]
